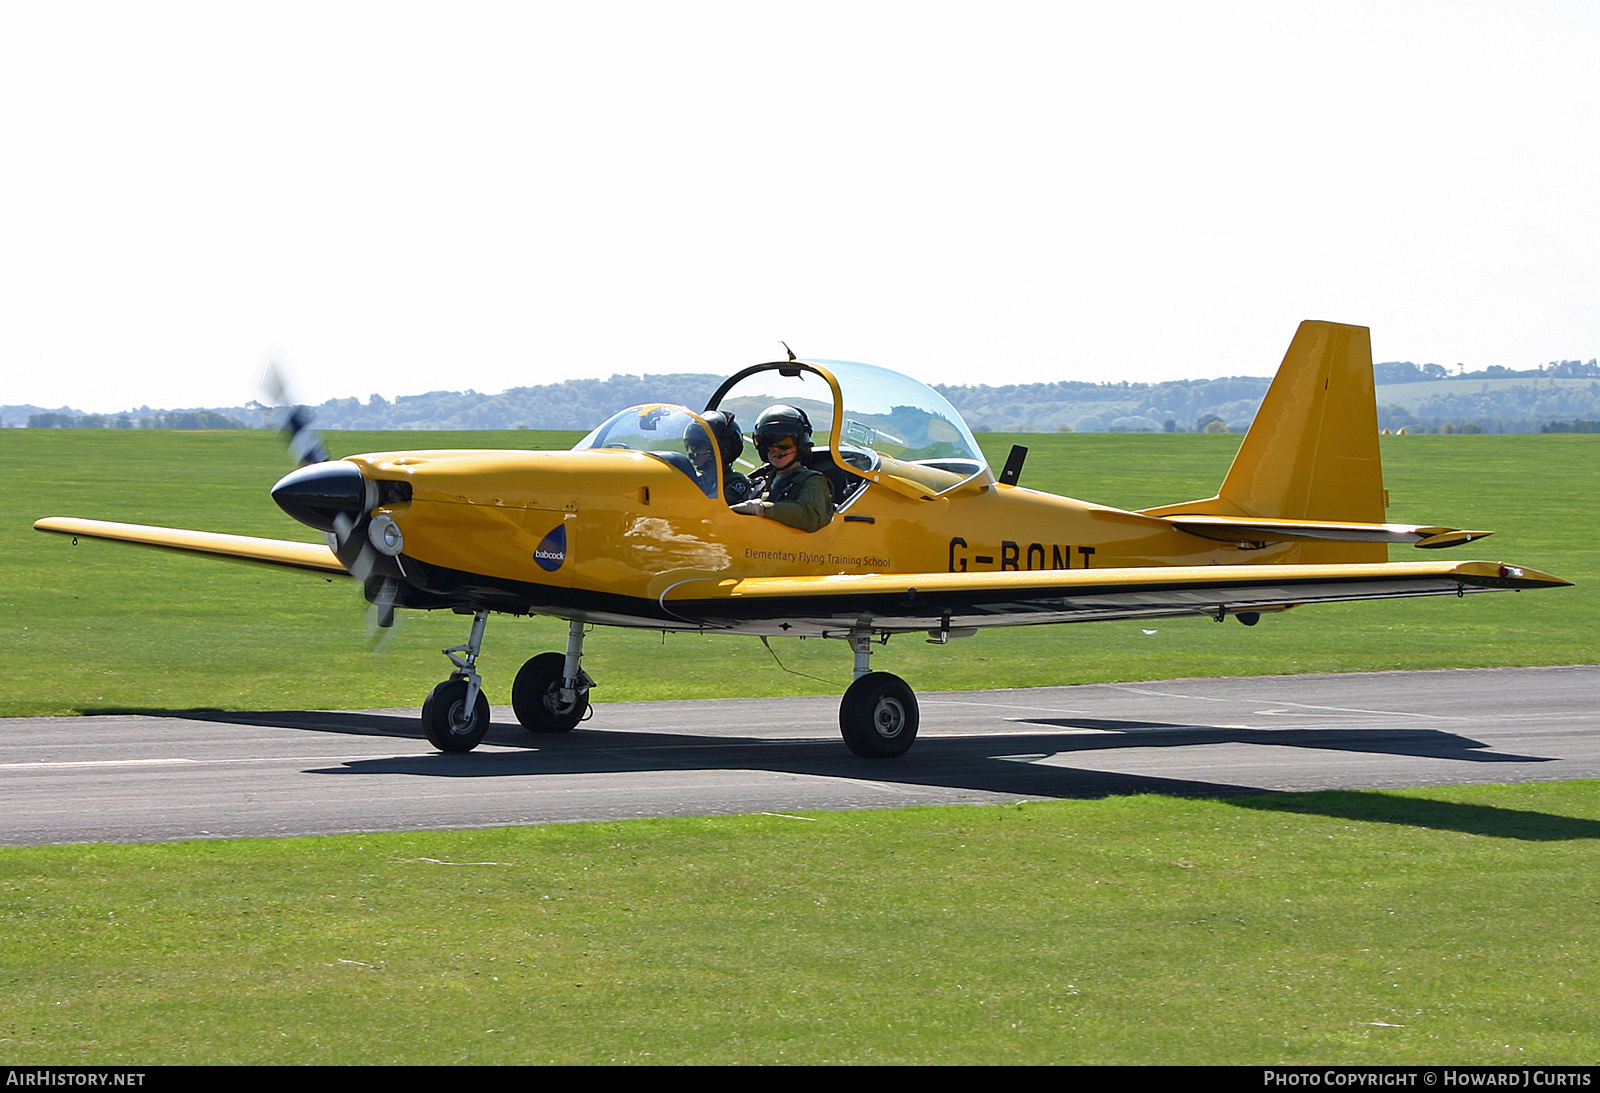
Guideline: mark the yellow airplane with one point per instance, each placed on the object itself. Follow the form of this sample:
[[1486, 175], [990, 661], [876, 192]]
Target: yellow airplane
[[633, 527]]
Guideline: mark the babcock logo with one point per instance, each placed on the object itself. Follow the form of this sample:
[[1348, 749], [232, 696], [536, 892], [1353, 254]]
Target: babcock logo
[[552, 551]]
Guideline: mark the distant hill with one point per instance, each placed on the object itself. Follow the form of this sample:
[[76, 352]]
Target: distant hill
[[1177, 406], [1426, 396]]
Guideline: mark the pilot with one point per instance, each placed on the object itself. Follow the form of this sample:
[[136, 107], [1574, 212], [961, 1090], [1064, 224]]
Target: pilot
[[729, 443], [786, 489]]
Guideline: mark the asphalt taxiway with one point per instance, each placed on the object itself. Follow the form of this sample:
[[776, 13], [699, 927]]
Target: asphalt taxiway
[[208, 774]]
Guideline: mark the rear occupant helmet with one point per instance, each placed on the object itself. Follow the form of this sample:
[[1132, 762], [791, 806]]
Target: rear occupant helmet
[[730, 438]]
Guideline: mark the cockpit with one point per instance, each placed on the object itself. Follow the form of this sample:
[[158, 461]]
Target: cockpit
[[872, 426]]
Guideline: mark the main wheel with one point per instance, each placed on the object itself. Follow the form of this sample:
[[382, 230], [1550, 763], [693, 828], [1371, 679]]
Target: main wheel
[[878, 716], [448, 723], [536, 696]]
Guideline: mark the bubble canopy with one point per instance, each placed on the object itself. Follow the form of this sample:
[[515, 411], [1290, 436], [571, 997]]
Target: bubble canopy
[[879, 423], [672, 434], [872, 423]]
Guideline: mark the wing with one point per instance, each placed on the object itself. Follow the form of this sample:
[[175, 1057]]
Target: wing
[[244, 548], [955, 601]]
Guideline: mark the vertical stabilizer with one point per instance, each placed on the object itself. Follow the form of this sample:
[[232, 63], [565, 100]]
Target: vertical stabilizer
[[1312, 450]]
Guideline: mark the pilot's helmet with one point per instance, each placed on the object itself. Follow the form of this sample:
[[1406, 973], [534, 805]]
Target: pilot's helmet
[[729, 438], [777, 422]]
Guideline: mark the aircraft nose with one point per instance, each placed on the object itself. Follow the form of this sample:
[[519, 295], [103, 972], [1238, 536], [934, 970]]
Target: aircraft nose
[[318, 494]]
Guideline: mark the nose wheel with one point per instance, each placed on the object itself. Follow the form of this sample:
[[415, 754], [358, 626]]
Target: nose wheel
[[453, 721], [456, 715]]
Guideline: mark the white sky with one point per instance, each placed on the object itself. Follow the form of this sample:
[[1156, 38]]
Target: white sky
[[404, 197]]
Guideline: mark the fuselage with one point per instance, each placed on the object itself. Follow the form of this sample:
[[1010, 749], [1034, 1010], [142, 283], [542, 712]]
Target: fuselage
[[606, 533]]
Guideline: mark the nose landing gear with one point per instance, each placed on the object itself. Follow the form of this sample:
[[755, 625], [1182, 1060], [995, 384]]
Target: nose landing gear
[[453, 722], [456, 715]]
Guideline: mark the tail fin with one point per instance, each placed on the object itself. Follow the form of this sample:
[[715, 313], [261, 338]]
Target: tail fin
[[1312, 450]]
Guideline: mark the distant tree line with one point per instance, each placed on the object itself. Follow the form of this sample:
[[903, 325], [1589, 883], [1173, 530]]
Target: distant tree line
[[76, 421], [159, 419], [1073, 406], [571, 404], [1390, 372]]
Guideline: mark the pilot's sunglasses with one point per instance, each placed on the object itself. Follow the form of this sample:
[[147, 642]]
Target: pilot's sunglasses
[[782, 446]]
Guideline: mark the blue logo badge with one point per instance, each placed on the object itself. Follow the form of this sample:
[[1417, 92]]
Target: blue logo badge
[[552, 551]]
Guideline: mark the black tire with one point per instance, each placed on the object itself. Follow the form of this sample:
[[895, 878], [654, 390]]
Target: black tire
[[535, 698], [445, 720], [878, 716]]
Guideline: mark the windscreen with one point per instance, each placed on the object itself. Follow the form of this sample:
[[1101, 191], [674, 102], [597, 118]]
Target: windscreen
[[673, 434]]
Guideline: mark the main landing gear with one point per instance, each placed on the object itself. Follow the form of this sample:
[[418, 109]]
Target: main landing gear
[[550, 694], [878, 716]]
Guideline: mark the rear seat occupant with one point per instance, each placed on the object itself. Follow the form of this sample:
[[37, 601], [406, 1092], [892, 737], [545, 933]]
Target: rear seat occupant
[[728, 443]]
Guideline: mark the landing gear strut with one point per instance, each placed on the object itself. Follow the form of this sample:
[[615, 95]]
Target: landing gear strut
[[551, 692], [878, 716], [456, 715]]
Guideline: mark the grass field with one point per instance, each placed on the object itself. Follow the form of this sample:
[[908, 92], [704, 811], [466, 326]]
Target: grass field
[[1446, 926], [1440, 926], [104, 626]]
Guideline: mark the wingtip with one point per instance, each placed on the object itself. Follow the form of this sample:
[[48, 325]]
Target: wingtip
[[1509, 575], [1448, 537]]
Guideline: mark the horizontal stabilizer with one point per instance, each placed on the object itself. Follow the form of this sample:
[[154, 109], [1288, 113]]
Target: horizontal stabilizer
[[243, 548]]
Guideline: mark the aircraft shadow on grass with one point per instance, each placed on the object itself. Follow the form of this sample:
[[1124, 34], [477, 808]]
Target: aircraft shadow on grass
[[999, 763], [1390, 808]]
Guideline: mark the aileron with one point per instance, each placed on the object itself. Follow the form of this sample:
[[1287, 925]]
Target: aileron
[[978, 600], [1228, 529]]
